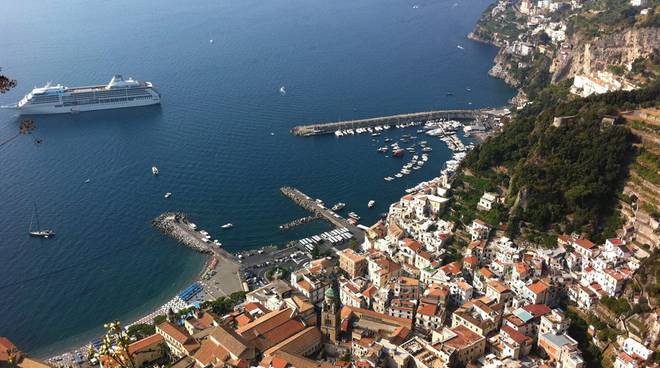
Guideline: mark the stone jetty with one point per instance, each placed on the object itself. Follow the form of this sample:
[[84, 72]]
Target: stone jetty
[[298, 222], [177, 226]]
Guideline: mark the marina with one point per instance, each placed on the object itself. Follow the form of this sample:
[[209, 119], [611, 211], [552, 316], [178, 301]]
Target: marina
[[384, 122], [311, 205]]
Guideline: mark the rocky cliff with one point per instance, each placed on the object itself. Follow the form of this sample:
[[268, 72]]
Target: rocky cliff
[[589, 55]]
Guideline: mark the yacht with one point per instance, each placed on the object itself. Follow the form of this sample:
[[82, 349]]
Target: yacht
[[228, 225], [371, 203], [168, 195], [154, 170]]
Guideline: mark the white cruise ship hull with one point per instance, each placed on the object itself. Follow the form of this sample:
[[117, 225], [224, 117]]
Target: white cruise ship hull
[[58, 99], [59, 109]]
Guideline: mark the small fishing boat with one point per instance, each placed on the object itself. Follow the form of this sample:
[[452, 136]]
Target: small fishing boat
[[228, 225], [338, 206]]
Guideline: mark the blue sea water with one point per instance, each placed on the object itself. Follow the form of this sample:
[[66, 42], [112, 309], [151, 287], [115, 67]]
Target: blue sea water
[[211, 138]]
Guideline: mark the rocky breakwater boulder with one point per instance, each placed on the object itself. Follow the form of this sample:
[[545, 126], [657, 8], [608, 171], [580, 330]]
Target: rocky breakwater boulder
[[177, 227]]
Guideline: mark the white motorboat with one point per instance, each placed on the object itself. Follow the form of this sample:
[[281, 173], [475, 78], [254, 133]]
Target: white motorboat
[[371, 203], [154, 170], [228, 225]]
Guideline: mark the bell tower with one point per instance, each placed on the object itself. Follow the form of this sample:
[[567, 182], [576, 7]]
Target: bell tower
[[330, 316]]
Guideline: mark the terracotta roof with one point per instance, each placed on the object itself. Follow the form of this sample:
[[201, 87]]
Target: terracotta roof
[[266, 322], [517, 336], [521, 268], [351, 254], [305, 285], [584, 243], [5, 345], [538, 287], [537, 309], [427, 309], [288, 360], [486, 272], [147, 342], [231, 341], [370, 291], [243, 319], [412, 245], [470, 260], [359, 312], [464, 338], [477, 244], [174, 332], [210, 352], [453, 268], [299, 342], [498, 286]]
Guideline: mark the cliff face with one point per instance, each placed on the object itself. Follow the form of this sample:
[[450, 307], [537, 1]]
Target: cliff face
[[502, 69], [591, 55]]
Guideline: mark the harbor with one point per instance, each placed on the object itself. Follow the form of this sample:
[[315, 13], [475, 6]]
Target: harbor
[[317, 207], [385, 122]]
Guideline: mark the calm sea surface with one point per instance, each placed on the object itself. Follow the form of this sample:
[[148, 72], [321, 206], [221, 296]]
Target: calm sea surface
[[211, 138]]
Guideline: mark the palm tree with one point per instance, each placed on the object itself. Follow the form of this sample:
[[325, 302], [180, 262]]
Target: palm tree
[[114, 346]]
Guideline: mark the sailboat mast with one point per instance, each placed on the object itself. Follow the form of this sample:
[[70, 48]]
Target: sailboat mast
[[36, 215]]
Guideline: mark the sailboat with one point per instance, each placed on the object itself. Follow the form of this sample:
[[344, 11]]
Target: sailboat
[[37, 232]]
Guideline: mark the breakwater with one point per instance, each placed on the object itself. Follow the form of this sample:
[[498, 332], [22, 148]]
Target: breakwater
[[177, 226], [297, 222], [330, 127]]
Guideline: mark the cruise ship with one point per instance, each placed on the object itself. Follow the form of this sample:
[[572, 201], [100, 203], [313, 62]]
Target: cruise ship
[[58, 99]]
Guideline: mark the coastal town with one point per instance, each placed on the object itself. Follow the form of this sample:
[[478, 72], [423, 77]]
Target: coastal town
[[478, 265], [418, 290]]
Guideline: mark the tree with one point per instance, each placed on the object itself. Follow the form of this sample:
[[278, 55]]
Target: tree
[[114, 346], [141, 330], [6, 83]]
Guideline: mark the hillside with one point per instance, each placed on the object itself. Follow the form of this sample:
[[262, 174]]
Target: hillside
[[562, 174], [610, 41]]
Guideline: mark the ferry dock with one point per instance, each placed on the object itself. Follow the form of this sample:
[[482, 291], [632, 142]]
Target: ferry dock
[[309, 204], [330, 127]]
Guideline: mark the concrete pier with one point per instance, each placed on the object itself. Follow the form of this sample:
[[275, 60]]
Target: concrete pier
[[331, 127], [309, 204]]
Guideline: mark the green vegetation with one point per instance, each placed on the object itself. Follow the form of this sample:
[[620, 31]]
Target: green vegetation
[[604, 16], [282, 273], [141, 330], [578, 330], [6, 83], [565, 178], [159, 319], [619, 306], [225, 304], [647, 165]]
